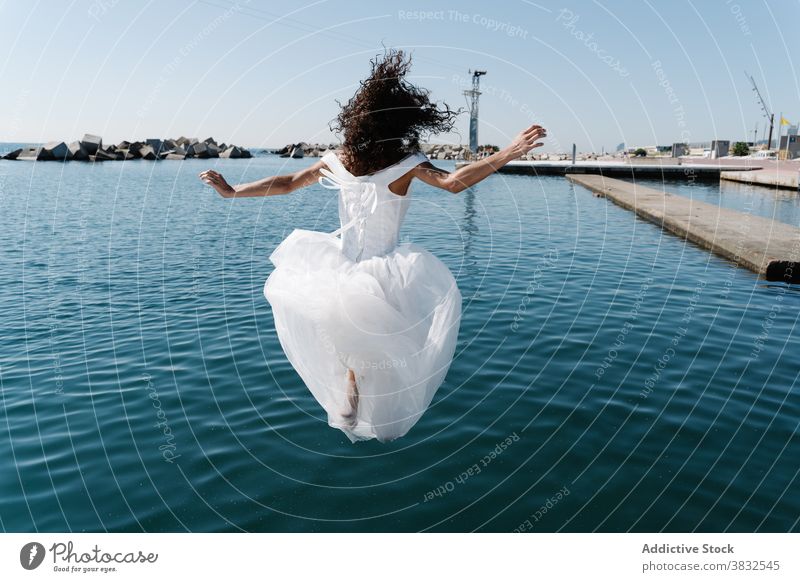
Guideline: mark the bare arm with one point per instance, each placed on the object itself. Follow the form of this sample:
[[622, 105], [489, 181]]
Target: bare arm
[[473, 173], [266, 186]]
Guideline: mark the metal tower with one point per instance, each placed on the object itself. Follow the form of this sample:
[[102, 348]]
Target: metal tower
[[767, 113], [472, 95]]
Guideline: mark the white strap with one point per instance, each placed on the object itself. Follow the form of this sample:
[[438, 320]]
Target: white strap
[[402, 167], [359, 210]]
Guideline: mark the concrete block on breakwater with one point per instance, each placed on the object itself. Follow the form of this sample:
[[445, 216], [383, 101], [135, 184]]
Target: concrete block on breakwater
[[56, 150], [91, 143], [76, 152], [28, 154], [765, 246]]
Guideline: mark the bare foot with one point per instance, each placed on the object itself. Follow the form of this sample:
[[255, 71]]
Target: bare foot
[[350, 417]]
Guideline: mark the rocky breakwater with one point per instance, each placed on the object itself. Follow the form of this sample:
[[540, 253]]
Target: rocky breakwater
[[433, 151], [445, 151], [91, 149], [303, 149]]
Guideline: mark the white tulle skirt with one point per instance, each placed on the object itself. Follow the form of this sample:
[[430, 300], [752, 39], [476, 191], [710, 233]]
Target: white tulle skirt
[[392, 319]]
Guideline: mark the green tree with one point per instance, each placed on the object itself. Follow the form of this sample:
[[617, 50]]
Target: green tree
[[740, 149], [640, 153]]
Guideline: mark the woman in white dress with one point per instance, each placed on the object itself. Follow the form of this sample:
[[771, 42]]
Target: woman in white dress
[[370, 324]]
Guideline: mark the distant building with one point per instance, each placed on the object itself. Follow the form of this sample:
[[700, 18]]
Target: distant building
[[720, 148], [793, 143], [680, 149], [621, 147]]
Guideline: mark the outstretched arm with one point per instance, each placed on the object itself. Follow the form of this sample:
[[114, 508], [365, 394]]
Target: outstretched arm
[[265, 187], [473, 173]]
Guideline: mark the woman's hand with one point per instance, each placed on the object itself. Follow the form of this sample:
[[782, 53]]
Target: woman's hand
[[526, 141], [216, 181]]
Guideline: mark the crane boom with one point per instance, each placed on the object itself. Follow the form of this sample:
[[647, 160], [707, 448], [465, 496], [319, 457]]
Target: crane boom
[[767, 113]]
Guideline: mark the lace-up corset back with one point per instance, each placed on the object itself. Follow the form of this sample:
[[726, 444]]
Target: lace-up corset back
[[370, 214]]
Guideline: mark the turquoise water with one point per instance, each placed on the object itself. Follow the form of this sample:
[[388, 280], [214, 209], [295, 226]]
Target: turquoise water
[[608, 376]]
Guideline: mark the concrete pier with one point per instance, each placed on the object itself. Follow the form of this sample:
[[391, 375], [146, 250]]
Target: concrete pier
[[773, 178], [767, 247], [657, 170], [668, 169]]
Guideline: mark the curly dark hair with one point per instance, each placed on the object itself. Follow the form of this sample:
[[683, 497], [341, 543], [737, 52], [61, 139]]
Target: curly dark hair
[[382, 123]]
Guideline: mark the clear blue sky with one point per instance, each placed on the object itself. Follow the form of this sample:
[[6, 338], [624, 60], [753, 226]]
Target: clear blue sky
[[262, 74]]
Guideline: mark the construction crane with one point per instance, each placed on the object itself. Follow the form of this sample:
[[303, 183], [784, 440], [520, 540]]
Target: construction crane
[[767, 113], [472, 96]]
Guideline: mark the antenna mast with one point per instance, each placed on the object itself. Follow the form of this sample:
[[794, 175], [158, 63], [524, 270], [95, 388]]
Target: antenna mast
[[472, 95]]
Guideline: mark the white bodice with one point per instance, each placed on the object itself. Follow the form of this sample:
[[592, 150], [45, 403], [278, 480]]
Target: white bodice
[[370, 214]]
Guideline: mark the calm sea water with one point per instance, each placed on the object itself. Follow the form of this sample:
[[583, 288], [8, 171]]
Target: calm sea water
[[608, 376]]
